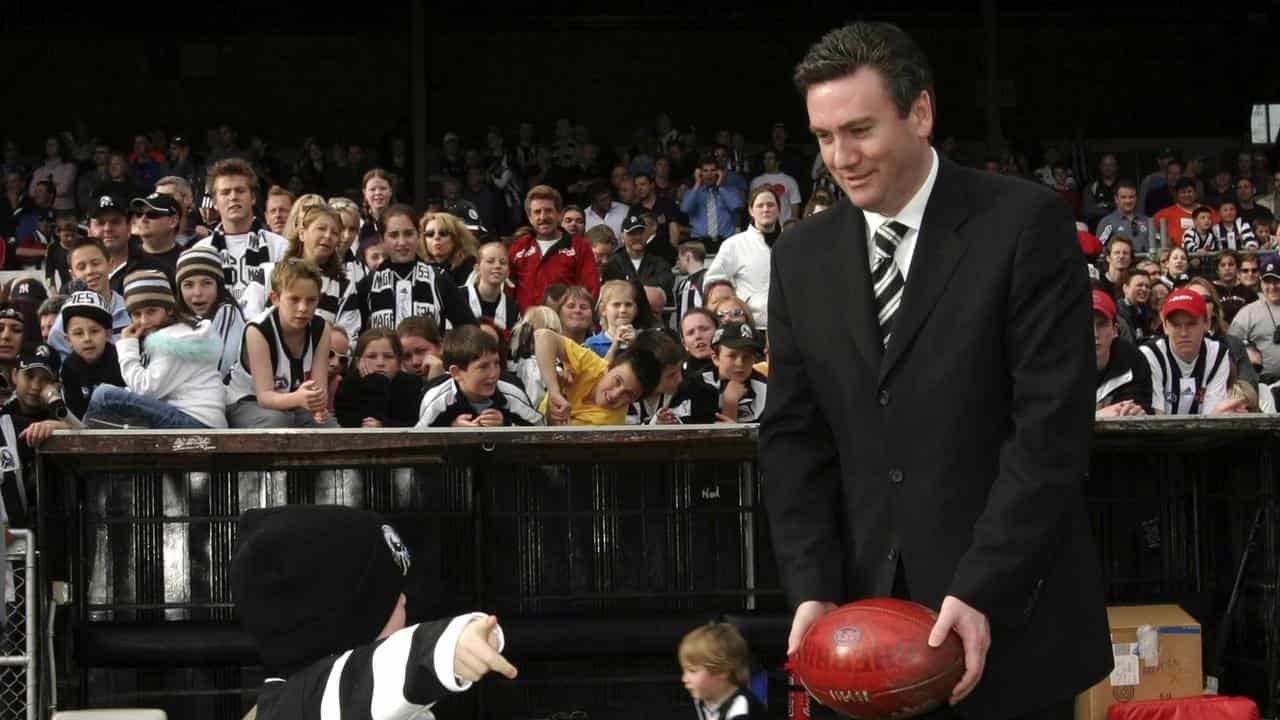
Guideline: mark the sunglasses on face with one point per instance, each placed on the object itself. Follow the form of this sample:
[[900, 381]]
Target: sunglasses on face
[[730, 313], [342, 359]]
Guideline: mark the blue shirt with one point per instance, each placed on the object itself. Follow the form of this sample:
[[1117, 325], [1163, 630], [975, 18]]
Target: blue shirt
[[599, 343], [694, 204]]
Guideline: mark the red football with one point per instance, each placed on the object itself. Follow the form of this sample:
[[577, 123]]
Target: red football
[[871, 659]]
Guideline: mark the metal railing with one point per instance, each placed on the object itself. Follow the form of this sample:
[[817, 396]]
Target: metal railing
[[19, 672], [570, 535]]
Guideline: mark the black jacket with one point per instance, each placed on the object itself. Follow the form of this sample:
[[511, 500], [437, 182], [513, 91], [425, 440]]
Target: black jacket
[[955, 455], [392, 401], [1127, 376], [443, 403], [653, 271], [79, 378]]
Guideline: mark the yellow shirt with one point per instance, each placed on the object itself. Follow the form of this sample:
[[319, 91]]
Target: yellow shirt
[[587, 369]]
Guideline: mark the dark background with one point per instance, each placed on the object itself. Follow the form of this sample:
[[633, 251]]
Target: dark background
[[1101, 70]]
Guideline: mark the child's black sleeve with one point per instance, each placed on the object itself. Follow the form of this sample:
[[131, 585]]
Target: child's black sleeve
[[75, 384]]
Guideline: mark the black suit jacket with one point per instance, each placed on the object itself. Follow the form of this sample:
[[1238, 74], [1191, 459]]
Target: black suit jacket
[[957, 452], [653, 270]]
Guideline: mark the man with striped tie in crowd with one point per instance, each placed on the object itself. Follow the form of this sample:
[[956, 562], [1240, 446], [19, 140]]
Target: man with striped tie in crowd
[[928, 420]]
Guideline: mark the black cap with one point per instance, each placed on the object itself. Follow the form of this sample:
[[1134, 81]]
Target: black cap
[[737, 335], [40, 357], [1271, 268], [157, 202], [29, 290], [109, 203], [634, 222], [1166, 152], [469, 214]]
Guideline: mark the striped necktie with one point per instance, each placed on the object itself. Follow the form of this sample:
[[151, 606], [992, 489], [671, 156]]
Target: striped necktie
[[886, 278]]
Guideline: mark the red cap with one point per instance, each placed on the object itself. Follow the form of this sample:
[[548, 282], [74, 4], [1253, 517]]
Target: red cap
[[1089, 243], [1103, 303], [1186, 300]]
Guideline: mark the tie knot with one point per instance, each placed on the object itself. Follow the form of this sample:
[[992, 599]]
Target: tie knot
[[893, 231]]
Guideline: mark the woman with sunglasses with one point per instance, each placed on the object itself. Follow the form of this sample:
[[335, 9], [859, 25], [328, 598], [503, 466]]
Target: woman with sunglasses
[[743, 259]]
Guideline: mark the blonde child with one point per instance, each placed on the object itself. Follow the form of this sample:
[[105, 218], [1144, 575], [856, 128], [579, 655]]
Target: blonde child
[[617, 308], [282, 376], [487, 291], [715, 670]]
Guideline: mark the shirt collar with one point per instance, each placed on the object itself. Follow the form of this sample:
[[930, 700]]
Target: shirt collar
[[912, 214]]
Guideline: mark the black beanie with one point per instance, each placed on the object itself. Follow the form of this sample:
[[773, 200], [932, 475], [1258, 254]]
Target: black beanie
[[314, 580]]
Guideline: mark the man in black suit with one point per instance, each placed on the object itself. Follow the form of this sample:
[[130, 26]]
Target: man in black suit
[[634, 260], [929, 413]]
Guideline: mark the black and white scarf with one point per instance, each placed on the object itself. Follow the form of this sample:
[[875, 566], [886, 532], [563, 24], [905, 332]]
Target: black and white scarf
[[402, 290]]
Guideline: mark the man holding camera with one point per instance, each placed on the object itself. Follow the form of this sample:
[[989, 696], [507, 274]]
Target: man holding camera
[[711, 207], [27, 420], [1258, 324]]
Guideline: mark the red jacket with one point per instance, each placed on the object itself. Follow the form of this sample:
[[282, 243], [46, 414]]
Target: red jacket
[[568, 262]]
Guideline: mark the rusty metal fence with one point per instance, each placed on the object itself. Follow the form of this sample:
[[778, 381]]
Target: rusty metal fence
[[20, 634], [597, 549]]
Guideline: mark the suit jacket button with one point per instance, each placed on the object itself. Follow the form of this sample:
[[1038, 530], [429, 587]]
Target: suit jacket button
[[884, 398], [895, 476]]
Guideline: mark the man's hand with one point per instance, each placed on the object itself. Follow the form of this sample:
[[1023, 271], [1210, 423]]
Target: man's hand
[[477, 652], [975, 633], [807, 613], [666, 417], [371, 422]]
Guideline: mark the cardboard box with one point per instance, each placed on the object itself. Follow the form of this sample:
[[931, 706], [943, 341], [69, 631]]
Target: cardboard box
[[1157, 651]]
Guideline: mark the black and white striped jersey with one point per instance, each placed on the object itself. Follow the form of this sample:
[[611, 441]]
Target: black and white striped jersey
[[1181, 388], [396, 678]]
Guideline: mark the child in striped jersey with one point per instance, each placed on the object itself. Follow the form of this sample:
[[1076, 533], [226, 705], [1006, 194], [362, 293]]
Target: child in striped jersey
[[321, 589], [736, 348], [715, 670], [487, 290], [203, 294], [282, 376]]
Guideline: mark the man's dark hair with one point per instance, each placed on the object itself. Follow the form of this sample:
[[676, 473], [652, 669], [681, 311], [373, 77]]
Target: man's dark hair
[[1202, 210], [1126, 183], [1131, 274], [709, 160], [466, 344], [1058, 166], [643, 174], [1227, 201], [1183, 182], [597, 189], [881, 46], [645, 366]]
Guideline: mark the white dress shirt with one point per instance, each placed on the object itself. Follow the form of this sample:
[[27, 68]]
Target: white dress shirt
[[912, 215], [613, 217]]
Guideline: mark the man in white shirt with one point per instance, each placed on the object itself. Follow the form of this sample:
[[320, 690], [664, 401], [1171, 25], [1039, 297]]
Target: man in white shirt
[[784, 186], [603, 210], [1258, 324]]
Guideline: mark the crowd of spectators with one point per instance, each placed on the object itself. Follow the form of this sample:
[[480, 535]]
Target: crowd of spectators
[[541, 282]]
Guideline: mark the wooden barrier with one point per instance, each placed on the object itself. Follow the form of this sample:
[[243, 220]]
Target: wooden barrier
[[597, 547]]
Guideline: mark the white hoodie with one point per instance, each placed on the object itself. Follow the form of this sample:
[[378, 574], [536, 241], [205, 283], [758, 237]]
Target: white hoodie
[[181, 369], [743, 260]]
